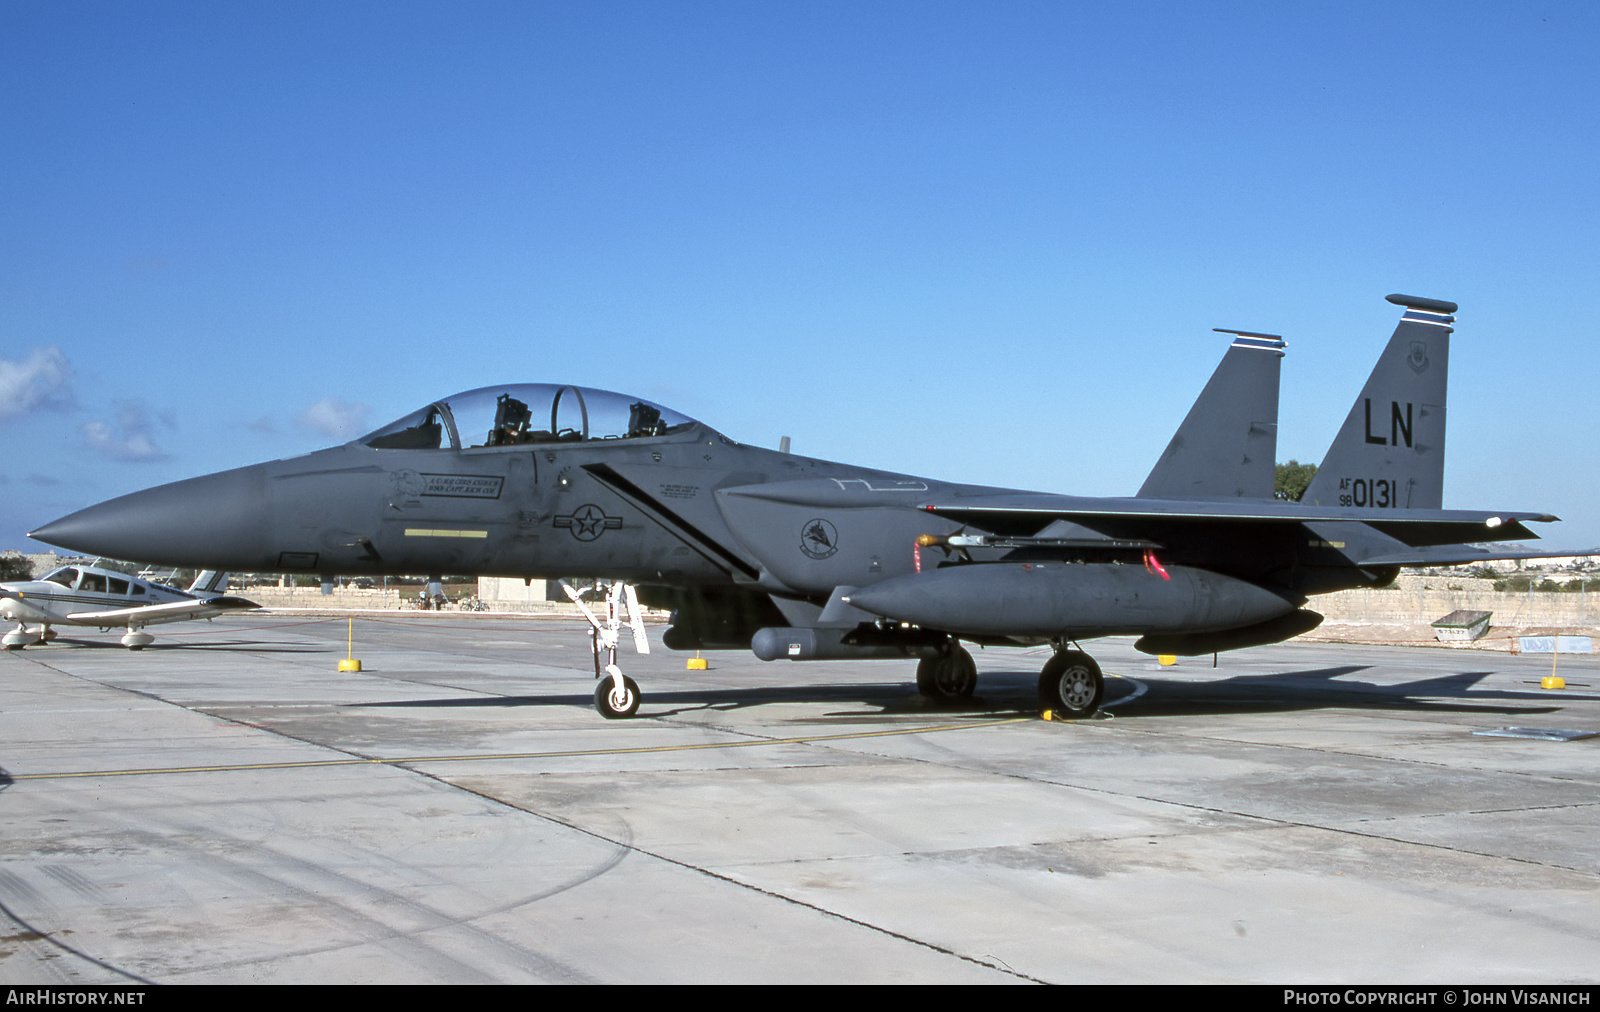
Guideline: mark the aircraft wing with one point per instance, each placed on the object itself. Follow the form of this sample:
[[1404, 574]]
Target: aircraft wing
[[153, 614], [1027, 512]]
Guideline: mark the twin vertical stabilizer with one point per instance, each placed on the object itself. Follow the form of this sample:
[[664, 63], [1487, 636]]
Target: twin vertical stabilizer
[[1390, 452], [1227, 445]]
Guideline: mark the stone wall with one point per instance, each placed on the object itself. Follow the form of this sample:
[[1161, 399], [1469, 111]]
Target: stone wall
[[1406, 611]]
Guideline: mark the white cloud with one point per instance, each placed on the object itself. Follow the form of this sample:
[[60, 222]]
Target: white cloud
[[130, 438], [38, 381], [335, 418]]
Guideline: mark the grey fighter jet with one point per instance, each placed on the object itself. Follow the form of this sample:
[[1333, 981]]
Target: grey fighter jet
[[805, 559]]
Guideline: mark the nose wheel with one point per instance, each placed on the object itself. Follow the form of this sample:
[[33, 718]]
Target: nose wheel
[[1071, 685], [19, 637], [614, 700]]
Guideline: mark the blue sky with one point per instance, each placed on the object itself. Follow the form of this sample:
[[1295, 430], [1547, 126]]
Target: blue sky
[[978, 242]]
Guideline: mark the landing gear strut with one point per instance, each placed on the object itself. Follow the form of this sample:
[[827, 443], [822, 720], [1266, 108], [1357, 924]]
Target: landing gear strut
[[949, 676], [616, 696], [1071, 684]]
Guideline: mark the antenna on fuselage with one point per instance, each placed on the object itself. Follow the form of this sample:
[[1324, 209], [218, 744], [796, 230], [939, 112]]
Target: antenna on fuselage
[[783, 444]]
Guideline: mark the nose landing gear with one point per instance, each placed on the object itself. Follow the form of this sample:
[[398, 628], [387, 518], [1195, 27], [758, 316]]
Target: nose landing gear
[[616, 696], [20, 637]]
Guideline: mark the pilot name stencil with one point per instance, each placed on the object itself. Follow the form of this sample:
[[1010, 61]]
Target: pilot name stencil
[[463, 486]]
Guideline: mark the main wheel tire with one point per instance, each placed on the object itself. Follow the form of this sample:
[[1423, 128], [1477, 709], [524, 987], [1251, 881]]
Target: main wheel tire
[[1071, 684], [949, 676], [613, 705]]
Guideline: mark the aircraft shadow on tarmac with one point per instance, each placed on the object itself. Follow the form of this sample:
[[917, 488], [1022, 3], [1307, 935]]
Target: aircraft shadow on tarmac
[[885, 699], [1328, 688], [252, 646], [1009, 692]]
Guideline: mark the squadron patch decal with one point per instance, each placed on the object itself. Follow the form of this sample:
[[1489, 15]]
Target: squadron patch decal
[[819, 538], [1418, 359]]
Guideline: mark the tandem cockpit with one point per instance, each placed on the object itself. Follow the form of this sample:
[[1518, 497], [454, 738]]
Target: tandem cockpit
[[522, 414]]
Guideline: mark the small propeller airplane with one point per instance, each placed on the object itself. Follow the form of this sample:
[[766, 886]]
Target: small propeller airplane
[[107, 599], [805, 559]]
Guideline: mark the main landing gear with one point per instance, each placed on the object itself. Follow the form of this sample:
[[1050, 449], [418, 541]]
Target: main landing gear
[[1071, 685], [949, 676], [616, 696]]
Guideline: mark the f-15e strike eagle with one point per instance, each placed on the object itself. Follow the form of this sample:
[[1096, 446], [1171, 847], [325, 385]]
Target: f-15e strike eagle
[[806, 559]]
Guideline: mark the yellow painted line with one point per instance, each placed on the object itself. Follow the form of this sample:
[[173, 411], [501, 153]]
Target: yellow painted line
[[316, 763], [426, 532]]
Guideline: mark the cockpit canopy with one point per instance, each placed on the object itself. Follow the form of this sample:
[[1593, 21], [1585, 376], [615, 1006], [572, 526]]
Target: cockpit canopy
[[526, 413], [103, 583]]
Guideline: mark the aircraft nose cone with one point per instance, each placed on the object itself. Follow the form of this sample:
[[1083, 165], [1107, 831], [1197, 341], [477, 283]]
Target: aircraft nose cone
[[216, 521]]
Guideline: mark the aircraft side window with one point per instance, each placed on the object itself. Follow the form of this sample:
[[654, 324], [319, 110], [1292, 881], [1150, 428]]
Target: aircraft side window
[[427, 434], [94, 582], [515, 416], [65, 577], [137, 589], [119, 586]]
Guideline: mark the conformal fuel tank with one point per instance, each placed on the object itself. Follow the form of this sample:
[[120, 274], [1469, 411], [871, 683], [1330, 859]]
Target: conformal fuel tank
[[1067, 599]]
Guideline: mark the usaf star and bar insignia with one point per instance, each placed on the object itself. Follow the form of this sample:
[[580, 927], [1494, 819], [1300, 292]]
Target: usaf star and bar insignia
[[587, 522]]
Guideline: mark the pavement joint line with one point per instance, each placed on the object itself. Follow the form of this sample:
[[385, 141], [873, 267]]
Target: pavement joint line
[[1270, 820], [751, 886], [629, 845], [568, 753], [1345, 753], [50, 938], [1266, 820], [1275, 821]]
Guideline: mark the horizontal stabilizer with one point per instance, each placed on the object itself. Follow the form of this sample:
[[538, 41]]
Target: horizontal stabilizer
[[1466, 555], [209, 581]]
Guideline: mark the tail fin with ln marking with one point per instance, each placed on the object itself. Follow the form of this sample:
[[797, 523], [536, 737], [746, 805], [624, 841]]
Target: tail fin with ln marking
[[1390, 452]]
